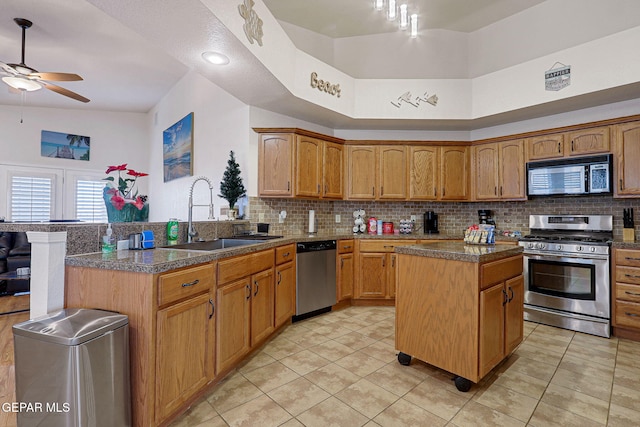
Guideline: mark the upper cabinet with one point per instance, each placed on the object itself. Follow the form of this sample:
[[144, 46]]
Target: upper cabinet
[[376, 172], [424, 172], [500, 171], [576, 143], [454, 173], [297, 165], [626, 148], [361, 172]]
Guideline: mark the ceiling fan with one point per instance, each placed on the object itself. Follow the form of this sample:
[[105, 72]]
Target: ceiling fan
[[24, 78]]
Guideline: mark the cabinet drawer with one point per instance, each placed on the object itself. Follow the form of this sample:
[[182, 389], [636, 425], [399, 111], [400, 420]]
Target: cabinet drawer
[[345, 246], [383, 245], [285, 253], [182, 284], [628, 314], [499, 271], [628, 257], [244, 265], [627, 292], [628, 275]]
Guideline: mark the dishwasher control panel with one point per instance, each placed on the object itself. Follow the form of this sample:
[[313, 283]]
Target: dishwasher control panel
[[323, 245]]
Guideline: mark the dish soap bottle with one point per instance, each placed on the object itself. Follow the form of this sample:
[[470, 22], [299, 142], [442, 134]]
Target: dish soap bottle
[[108, 241]]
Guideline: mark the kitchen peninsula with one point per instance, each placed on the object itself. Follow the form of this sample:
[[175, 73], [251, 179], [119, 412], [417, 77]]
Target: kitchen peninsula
[[459, 306]]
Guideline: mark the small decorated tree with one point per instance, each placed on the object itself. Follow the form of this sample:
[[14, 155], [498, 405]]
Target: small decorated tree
[[231, 187]]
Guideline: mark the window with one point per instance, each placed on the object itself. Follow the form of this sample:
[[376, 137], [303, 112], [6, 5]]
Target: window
[[31, 197], [89, 201]]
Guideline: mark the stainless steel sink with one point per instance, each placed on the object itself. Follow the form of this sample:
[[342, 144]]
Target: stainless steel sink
[[213, 245]]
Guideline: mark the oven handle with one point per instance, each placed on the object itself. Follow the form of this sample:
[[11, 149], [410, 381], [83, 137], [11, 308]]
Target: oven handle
[[557, 255]]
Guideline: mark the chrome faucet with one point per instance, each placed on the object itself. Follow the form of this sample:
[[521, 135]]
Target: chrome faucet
[[191, 231]]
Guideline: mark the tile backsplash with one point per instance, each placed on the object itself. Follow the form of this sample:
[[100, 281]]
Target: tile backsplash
[[453, 218]]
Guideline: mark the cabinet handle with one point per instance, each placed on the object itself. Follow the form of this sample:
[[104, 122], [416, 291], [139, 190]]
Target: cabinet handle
[[286, 254], [501, 190], [495, 190], [559, 150], [256, 292], [318, 188], [393, 261], [341, 262], [248, 287], [633, 276], [572, 146], [389, 246], [511, 292], [326, 188], [288, 185], [628, 258], [635, 294], [346, 247], [626, 313], [382, 190], [279, 277], [213, 308], [442, 191], [506, 298], [195, 282], [383, 261], [621, 186], [435, 192], [373, 191]]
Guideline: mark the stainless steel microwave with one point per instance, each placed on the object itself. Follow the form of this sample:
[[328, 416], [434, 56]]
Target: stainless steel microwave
[[574, 176]]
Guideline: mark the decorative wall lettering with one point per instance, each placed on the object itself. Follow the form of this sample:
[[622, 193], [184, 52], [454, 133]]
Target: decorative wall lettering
[[252, 22], [557, 77], [408, 99], [325, 86]]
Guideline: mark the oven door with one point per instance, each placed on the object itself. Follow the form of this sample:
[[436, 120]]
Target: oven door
[[569, 283]]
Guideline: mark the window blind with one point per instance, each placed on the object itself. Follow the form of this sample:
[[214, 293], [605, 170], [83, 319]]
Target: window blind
[[31, 198], [89, 202]]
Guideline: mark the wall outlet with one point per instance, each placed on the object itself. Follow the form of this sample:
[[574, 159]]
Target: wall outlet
[[414, 218], [280, 219], [338, 219], [261, 217]]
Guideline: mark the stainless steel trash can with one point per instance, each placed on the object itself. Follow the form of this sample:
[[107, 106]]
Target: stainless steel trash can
[[72, 369]]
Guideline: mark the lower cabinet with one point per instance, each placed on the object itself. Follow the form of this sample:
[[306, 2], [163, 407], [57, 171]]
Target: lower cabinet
[[625, 278], [233, 323], [376, 263], [285, 287]]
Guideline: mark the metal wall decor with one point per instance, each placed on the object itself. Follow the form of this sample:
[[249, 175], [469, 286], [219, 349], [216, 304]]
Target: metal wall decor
[[415, 102], [252, 22], [325, 86], [557, 77]]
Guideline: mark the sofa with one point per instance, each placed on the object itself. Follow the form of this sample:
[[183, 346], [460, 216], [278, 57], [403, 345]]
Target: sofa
[[15, 252]]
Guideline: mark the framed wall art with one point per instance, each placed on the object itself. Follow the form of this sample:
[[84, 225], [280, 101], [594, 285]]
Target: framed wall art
[[64, 145], [177, 149]]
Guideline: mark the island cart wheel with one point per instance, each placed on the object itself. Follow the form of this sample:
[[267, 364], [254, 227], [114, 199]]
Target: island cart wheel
[[462, 384], [404, 359]]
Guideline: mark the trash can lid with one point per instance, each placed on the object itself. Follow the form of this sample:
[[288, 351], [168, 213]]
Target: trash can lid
[[71, 326]]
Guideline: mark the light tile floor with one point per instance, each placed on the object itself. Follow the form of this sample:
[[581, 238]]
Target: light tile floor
[[340, 369]]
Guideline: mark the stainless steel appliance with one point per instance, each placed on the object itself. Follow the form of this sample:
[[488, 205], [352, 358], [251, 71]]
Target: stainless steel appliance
[[315, 278], [430, 223], [578, 176], [566, 271]]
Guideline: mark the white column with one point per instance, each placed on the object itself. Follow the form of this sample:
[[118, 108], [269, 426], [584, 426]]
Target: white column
[[48, 250]]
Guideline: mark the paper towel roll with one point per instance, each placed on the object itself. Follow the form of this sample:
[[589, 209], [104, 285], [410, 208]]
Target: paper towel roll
[[312, 221]]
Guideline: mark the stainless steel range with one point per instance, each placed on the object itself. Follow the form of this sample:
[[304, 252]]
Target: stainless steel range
[[566, 270]]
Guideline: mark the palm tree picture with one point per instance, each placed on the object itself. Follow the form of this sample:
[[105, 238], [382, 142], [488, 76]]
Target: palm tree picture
[[64, 145]]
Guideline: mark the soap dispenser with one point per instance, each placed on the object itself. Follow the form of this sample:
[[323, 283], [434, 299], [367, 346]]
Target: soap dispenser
[[108, 241]]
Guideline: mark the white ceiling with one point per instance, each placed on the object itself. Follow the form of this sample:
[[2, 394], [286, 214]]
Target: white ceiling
[[131, 53]]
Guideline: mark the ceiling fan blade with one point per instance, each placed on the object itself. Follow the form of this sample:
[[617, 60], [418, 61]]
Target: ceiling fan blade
[[57, 77], [8, 69], [63, 91]]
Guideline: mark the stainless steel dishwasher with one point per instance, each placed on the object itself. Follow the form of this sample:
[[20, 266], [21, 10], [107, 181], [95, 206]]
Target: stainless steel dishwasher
[[315, 278]]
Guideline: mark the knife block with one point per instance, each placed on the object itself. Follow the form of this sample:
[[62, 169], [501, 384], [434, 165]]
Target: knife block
[[628, 235]]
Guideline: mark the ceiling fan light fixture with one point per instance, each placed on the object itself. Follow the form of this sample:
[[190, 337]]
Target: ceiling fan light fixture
[[215, 58], [22, 83]]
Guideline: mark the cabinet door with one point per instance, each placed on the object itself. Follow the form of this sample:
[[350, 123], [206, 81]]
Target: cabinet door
[[454, 173], [423, 173], [589, 141], [391, 275], [332, 172], [232, 323], [361, 172], [392, 176], [514, 313], [262, 306], [308, 166], [372, 275], [546, 147], [627, 154], [275, 165], [511, 170], [285, 293], [345, 276], [486, 160], [184, 352], [492, 310]]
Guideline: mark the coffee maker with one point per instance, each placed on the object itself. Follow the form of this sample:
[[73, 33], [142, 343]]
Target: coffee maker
[[430, 223], [485, 216]]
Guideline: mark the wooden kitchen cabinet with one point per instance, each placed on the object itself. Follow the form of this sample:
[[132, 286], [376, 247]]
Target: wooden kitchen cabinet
[[376, 172], [285, 286], [361, 172], [392, 169], [262, 306], [424, 172], [345, 270], [294, 164], [581, 142], [546, 147], [172, 331], [376, 263], [626, 149], [454, 173], [500, 171], [625, 290], [233, 323]]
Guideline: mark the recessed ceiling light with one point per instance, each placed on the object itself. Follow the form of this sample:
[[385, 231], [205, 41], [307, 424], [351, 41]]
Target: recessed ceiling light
[[215, 58]]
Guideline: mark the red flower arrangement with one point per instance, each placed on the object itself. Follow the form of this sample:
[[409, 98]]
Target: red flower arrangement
[[125, 192]]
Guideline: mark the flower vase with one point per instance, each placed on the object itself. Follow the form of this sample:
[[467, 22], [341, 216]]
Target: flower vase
[[126, 214]]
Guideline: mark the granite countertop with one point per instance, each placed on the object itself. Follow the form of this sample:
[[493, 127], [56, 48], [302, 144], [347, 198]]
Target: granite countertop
[[620, 244], [460, 251], [164, 259]]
